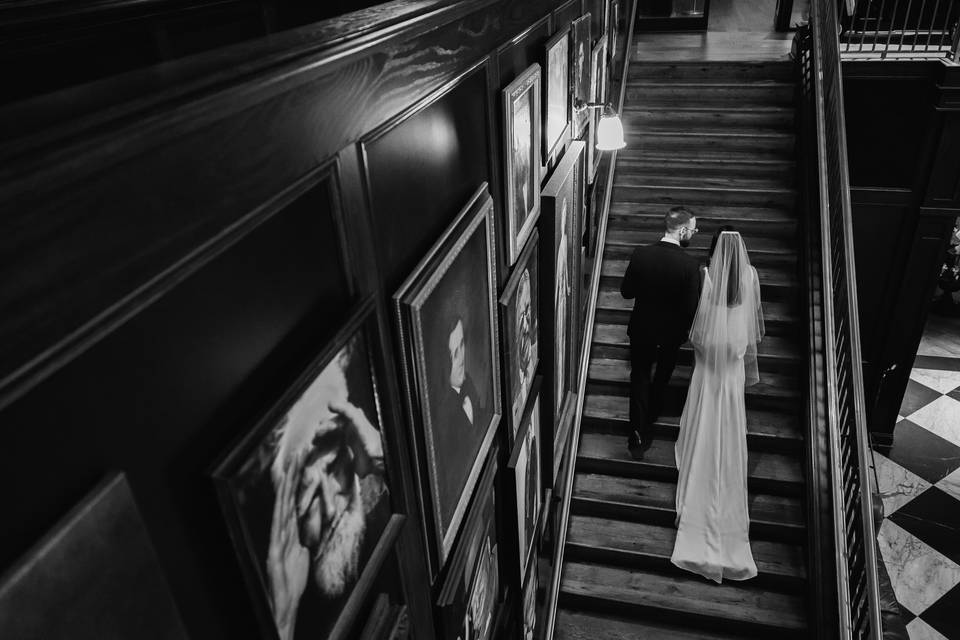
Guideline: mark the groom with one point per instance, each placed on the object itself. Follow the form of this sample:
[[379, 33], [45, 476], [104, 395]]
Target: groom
[[666, 284]]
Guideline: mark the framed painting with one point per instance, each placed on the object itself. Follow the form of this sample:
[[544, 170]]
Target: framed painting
[[558, 93], [580, 72], [598, 93], [529, 619], [306, 495], [520, 331], [95, 575], [470, 594], [559, 268], [614, 29], [526, 474], [521, 127], [446, 315]]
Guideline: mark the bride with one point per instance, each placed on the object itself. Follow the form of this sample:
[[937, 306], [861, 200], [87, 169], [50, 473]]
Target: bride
[[711, 451]]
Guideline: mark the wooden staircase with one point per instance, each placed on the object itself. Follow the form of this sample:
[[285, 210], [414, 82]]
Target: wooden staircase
[[719, 138]]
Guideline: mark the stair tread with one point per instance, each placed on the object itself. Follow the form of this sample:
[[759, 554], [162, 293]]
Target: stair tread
[[761, 465], [717, 213], [656, 541], [580, 625], [701, 85], [617, 371], [769, 275], [685, 595], [657, 177], [654, 135], [611, 333], [776, 510], [772, 424]]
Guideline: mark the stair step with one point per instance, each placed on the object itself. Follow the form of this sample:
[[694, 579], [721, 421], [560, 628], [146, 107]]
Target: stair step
[[742, 93], [776, 283], [653, 501], [732, 607], [763, 250], [581, 625], [611, 376], [649, 546], [779, 316], [695, 168], [660, 177], [686, 194], [767, 472], [695, 144], [645, 213], [766, 430], [774, 353], [710, 71], [705, 119]]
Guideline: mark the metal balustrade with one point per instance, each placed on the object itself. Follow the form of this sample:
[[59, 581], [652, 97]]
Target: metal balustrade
[[900, 28]]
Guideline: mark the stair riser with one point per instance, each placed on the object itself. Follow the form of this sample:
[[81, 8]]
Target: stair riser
[[757, 258], [755, 442], [674, 397], [766, 363], [711, 72], [654, 223], [776, 532], [667, 178], [682, 140], [674, 196], [685, 618], [647, 562], [633, 469], [640, 120], [636, 165], [641, 95]]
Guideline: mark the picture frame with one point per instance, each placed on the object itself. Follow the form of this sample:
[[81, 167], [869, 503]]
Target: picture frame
[[598, 93], [520, 331], [331, 417], [446, 318], [94, 575], [556, 110], [526, 480], [528, 619], [613, 30], [580, 52], [470, 595], [560, 272], [521, 144]]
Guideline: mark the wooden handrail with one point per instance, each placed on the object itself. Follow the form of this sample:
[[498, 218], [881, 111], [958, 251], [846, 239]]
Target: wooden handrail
[[570, 462], [851, 480]]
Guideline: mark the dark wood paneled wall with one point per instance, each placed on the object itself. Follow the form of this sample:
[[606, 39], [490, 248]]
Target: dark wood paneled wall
[[903, 141], [177, 243]]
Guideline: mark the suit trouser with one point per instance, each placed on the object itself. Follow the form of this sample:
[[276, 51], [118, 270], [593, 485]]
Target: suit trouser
[[646, 399]]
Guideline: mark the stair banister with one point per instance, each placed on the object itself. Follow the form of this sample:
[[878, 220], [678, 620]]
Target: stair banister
[[851, 482]]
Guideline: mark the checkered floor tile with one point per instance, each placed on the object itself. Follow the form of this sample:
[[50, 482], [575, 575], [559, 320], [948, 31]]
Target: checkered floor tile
[[918, 476]]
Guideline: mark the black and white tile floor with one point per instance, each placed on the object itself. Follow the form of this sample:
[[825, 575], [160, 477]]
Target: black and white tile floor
[[918, 475]]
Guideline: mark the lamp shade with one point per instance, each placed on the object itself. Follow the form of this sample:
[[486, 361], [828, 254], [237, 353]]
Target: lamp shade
[[610, 132]]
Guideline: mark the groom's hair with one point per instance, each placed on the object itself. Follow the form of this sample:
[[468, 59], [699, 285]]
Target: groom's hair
[[676, 218]]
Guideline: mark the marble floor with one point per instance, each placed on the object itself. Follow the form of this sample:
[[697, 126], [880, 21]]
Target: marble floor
[[918, 475]]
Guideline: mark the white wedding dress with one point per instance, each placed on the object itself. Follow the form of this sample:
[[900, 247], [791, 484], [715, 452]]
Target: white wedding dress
[[711, 451]]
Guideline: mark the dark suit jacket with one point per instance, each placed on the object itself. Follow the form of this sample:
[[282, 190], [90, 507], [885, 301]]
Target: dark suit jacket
[[666, 284]]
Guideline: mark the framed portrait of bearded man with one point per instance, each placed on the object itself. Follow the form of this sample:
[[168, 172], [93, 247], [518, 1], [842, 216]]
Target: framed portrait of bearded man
[[580, 72], [446, 318], [521, 146], [519, 328], [306, 493]]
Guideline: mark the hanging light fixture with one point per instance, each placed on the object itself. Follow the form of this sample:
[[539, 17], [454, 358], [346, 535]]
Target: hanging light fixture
[[610, 128]]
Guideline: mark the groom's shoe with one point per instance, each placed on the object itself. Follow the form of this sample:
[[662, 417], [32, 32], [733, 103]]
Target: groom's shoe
[[637, 445]]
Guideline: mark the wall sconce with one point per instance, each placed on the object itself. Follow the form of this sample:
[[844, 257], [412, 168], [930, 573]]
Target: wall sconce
[[610, 129]]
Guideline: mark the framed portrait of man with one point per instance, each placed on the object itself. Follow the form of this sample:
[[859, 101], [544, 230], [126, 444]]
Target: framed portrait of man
[[560, 269], [526, 470], [95, 575], [558, 92], [470, 595], [520, 330], [306, 494], [598, 94], [521, 145], [580, 48], [446, 314]]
